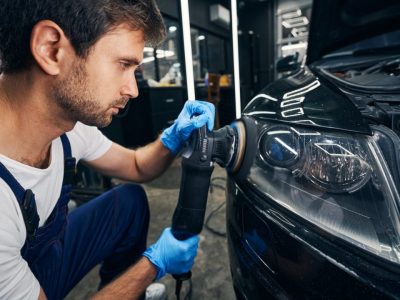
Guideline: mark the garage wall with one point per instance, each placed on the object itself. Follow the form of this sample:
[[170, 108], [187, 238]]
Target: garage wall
[[168, 7], [256, 46], [289, 4], [199, 14]]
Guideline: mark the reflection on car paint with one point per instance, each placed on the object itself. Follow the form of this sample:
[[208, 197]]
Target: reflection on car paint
[[303, 90], [290, 102]]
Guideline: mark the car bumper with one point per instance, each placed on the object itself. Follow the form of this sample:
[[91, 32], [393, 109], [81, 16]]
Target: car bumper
[[274, 256]]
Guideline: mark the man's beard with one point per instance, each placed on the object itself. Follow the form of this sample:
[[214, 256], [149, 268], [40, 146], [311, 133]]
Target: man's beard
[[76, 101]]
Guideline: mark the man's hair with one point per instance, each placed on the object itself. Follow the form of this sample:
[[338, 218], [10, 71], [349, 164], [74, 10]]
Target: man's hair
[[83, 22]]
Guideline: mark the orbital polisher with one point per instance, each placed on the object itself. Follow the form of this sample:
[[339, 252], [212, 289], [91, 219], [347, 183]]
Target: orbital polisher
[[233, 148]]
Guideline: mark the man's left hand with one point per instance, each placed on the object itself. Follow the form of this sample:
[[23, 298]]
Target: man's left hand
[[195, 114]]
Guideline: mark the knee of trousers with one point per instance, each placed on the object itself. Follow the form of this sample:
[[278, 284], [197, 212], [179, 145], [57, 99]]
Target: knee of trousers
[[133, 199]]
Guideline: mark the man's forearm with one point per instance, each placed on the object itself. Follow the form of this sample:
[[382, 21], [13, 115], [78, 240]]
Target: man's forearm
[[131, 284], [152, 160], [140, 165]]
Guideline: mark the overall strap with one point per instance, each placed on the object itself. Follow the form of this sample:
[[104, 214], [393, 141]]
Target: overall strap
[[26, 200], [69, 161], [14, 185], [66, 146]]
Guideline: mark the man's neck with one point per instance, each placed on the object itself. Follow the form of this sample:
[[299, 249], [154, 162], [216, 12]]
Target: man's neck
[[28, 121]]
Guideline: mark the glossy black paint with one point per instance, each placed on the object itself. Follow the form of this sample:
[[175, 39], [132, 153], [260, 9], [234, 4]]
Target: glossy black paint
[[274, 254], [305, 99], [297, 262]]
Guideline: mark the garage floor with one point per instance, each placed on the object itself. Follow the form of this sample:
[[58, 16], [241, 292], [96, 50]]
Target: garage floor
[[211, 275]]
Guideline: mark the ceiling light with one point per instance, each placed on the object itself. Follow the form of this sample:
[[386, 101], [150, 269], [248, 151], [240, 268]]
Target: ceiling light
[[148, 49], [294, 46], [187, 45]]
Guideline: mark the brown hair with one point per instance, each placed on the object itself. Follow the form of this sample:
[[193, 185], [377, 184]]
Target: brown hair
[[83, 22]]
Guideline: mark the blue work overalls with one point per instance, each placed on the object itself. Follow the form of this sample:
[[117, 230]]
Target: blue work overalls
[[111, 228]]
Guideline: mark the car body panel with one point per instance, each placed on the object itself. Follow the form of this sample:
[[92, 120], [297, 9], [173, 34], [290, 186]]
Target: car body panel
[[305, 99], [275, 251], [301, 263]]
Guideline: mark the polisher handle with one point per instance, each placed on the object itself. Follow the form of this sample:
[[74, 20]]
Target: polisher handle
[[189, 213], [188, 217]]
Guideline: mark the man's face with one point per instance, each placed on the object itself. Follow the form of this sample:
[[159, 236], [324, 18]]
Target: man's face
[[97, 87]]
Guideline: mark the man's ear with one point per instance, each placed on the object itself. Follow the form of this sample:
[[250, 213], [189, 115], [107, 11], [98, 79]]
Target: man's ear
[[49, 46]]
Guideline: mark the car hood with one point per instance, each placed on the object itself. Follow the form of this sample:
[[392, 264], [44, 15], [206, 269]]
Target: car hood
[[339, 23], [302, 99]]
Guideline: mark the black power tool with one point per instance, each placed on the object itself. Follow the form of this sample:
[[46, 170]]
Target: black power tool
[[227, 147]]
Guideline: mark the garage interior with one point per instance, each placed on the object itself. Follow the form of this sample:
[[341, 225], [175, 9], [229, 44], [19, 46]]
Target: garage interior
[[293, 188]]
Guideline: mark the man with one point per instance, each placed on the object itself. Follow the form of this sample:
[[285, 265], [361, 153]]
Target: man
[[67, 67]]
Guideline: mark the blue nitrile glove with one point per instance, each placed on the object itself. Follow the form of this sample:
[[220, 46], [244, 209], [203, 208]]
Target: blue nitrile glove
[[170, 255], [194, 114]]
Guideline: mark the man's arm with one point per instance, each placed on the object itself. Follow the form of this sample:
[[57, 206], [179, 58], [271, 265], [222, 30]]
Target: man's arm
[[149, 162], [167, 255], [130, 285], [140, 165], [42, 295]]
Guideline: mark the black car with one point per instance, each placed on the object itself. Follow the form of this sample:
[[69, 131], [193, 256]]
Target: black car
[[318, 215]]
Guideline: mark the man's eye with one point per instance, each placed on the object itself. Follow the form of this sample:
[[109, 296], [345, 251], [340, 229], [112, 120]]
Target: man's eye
[[125, 65]]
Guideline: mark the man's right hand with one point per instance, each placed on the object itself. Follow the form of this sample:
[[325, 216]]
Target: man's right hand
[[170, 255]]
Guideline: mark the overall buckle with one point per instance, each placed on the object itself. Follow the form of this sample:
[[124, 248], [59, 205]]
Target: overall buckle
[[69, 170], [29, 212]]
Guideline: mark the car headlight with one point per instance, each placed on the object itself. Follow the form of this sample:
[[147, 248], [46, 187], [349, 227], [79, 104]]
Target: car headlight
[[339, 182]]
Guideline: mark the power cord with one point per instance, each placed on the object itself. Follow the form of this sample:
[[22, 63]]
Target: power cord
[[213, 212], [178, 288], [189, 293]]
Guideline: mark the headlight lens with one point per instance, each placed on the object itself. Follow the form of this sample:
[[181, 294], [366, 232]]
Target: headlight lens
[[337, 181], [337, 165], [280, 147]]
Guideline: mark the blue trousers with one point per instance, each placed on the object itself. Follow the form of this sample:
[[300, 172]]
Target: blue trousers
[[111, 229]]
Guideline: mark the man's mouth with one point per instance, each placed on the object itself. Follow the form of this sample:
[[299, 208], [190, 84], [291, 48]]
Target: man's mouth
[[119, 106], [115, 110]]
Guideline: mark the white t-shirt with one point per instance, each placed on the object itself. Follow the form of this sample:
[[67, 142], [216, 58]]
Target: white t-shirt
[[16, 279]]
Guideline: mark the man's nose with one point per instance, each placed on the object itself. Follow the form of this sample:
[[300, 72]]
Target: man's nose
[[130, 88]]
